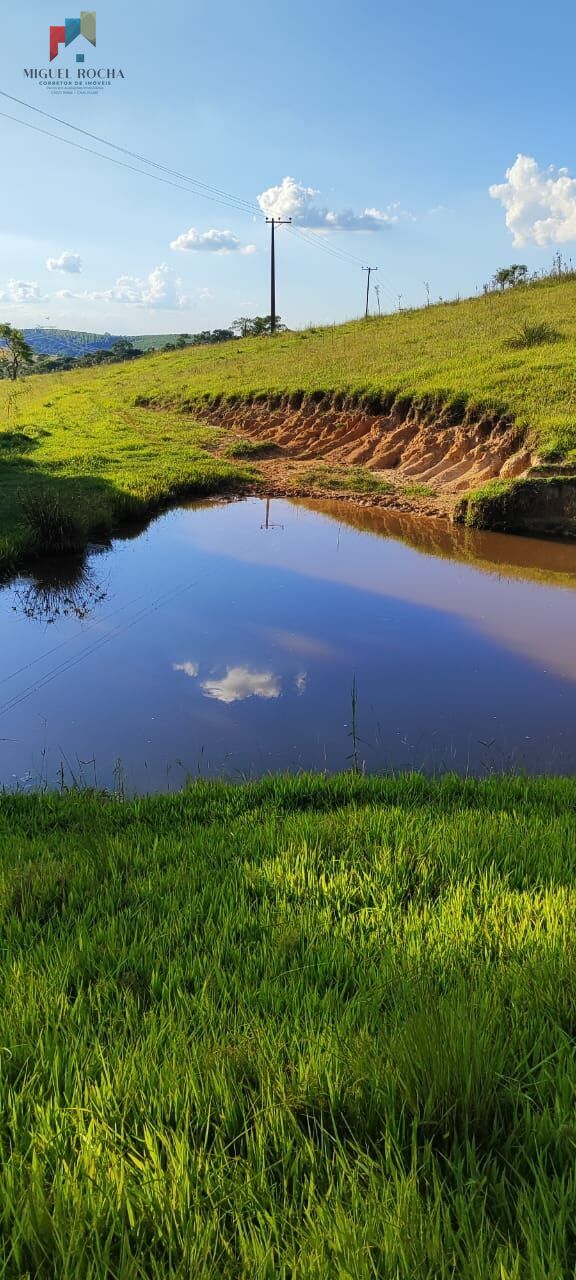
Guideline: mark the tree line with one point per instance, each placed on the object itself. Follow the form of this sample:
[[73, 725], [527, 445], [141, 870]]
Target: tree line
[[17, 357]]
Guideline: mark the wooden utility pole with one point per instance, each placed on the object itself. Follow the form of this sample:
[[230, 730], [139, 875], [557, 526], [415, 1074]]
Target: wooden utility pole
[[273, 223], [369, 270]]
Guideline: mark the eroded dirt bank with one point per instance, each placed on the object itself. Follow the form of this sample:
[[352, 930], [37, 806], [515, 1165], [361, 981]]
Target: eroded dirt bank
[[429, 457], [452, 454]]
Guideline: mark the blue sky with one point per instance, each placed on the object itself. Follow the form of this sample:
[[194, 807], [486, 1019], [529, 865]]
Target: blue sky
[[411, 112]]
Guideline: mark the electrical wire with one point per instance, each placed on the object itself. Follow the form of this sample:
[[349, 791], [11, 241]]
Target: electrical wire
[[134, 155], [63, 667], [70, 639], [122, 163], [207, 192], [342, 254]]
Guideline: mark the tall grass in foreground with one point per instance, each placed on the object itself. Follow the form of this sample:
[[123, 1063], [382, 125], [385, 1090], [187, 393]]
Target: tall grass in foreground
[[296, 1029]]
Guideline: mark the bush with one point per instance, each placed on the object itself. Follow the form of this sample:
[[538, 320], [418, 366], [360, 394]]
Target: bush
[[535, 335]]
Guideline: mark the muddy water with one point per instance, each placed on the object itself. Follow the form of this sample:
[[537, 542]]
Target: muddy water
[[225, 640]]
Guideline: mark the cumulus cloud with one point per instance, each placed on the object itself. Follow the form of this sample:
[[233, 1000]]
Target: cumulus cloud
[[540, 204], [292, 200], [213, 241], [161, 290], [240, 683], [70, 263], [190, 669], [21, 291]]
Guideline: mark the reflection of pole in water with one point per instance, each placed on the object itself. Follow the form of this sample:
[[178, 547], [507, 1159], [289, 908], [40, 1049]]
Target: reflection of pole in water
[[268, 523]]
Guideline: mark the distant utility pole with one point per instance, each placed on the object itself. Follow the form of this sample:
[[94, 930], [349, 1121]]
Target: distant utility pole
[[369, 270], [273, 223]]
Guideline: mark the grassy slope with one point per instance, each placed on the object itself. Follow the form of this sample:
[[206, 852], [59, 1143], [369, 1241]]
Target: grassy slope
[[296, 1029], [90, 439]]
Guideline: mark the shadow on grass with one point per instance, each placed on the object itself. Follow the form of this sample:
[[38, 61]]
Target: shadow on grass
[[46, 515]]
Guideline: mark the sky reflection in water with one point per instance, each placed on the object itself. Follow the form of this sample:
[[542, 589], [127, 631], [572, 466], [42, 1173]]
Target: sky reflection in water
[[209, 645]]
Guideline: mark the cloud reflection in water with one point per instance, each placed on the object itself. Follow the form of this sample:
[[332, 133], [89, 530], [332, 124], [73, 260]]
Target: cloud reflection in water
[[238, 684]]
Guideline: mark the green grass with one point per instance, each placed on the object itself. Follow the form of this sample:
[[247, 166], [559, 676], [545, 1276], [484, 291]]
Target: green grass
[[297, 1030], [92, 466], [120, 439], [249, 449], [345, 479], [417, 491]]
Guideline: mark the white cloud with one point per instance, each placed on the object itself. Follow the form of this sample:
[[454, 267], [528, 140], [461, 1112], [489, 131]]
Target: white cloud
[[540, 204], [292, 200], [240, 683], [161, 290], [70, 263], [301, 682], [190, 669], [21, 291], [213, 241]]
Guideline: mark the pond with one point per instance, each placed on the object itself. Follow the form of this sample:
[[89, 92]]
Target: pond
[[234, 639]]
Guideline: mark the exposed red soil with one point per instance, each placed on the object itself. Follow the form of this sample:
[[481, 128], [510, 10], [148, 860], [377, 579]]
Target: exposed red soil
[[404, 449]]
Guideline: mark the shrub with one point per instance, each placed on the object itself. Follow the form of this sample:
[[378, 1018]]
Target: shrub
[[535, 335], [51, 527]]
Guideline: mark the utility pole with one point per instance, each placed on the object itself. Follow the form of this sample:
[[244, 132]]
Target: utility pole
[[273, 223], [268, 523], [369, 270]]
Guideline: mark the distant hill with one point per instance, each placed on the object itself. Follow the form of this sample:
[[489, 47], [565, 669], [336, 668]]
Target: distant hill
[[73, 342]]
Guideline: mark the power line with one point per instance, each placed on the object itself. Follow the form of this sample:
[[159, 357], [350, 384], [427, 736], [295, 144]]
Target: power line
[[62, 668], [122, 163], [174, 173], [343, 255], [207, 192]]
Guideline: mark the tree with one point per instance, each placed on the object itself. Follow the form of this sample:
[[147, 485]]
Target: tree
[[15, 353], [243, 326], [122, 349], [262, 325], [221, 335], [256, 326], [508, 277]]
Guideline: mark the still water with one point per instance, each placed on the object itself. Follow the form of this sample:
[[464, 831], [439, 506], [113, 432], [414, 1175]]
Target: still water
[[225, 640]]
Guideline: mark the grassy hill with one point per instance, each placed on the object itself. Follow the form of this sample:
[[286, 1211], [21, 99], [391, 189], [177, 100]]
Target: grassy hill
[[101, 444]]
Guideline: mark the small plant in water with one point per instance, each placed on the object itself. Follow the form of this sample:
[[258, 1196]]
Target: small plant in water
[[354, 729]]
